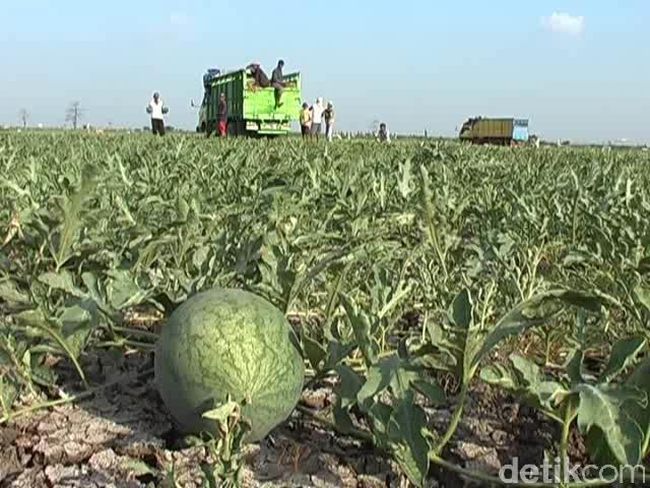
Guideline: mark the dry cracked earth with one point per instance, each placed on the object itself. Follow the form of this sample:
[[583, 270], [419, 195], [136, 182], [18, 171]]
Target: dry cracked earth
[[122, 437]]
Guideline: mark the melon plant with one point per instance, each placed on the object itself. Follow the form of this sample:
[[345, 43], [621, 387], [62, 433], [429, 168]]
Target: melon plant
[[228, 342]]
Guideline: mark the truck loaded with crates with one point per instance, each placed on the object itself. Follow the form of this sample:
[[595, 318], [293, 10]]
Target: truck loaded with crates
[[503, 131], [252, 109]]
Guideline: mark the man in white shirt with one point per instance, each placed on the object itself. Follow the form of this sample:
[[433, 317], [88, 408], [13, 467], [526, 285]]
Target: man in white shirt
[[157, 109], [317, 117]]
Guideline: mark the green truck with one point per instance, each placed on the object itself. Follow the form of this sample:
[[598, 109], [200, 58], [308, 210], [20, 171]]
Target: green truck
[[504, 131], [251, 109]]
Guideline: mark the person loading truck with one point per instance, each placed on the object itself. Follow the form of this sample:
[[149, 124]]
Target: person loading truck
[[223, 116], [261, 80]]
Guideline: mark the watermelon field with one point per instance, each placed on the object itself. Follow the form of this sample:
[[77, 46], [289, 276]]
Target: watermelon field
[[454, 308]]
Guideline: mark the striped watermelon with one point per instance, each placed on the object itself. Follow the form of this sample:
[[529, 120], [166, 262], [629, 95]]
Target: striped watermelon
[[227, 341]]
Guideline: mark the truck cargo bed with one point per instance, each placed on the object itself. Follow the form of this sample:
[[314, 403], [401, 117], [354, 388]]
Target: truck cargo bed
[[252, 109]]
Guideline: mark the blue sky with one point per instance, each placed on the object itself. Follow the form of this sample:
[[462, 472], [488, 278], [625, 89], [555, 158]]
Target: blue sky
[[577, 69]]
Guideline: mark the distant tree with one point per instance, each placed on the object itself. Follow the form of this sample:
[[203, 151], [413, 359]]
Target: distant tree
[[23, 115], [74, 114]]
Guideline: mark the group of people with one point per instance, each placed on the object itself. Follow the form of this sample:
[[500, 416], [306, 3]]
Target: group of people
[[312, 118]]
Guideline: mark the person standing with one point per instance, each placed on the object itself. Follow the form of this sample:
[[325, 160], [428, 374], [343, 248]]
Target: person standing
[[222, 116], [157, 110], [384, 134], [305, 121], [328, 115], [277, 81], [317, 117]]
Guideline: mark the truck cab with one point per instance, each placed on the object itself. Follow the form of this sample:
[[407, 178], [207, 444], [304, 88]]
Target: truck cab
[[208, 78]]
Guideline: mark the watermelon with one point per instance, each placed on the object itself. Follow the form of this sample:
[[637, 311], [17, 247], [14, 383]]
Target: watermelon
[[228, 342]]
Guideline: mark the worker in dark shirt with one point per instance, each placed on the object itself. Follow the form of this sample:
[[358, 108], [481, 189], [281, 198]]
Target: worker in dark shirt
[[259, 75], [223, 116], [277, 81]]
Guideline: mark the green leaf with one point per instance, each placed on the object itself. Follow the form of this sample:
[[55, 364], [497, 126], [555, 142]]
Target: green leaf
[[525, 379], [534, 312], [605, 407], [182, 208], [644, 265], [377, 380], [78, 322], [30, 318], [410, 447], [313, 351], [122, 290], [342, 418], [61, 342], [429, 356], [574, 367], [71, 217], [595, 441], [349, 385], [336, 352], [434, 393], [388, 372], [200, 256], [623, 354], [380, 416], [499, 375], [361, 327], [529, 372], [222, 413], [8, 395], [61, 281], [643, 296], [640, 379], [90, 282], [460, 313], [10, 293], [400, 294]]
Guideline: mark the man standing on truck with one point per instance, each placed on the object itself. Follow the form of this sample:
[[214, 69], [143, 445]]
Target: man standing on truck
[[157, 109], [277, 81], [222, 116]]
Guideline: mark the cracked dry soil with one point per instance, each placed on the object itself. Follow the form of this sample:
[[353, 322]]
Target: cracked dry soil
[[123, 437]]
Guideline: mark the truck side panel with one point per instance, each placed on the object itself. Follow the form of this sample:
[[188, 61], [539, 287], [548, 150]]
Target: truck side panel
[[233, 86], [251, 108], [260, 102], [494, 129]]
